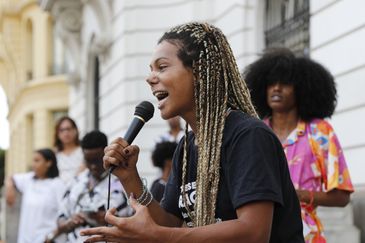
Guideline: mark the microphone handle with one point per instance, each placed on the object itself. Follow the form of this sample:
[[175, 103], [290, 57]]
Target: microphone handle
[[130, 135], [133, 129]]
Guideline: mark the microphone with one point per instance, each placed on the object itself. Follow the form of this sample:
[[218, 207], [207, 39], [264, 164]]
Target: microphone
[[142, 114]]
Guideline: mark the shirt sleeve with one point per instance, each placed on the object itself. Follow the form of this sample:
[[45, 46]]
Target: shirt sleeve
[[170, 198], [157, 190], [22, 180], [253, 167], [336, 171]]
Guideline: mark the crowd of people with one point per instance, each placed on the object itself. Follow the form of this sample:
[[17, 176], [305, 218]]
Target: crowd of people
[[66, 191], [255, 159]]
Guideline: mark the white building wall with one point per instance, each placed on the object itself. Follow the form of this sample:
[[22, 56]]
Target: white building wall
[[337, 34], [129, 29], [337, 40]]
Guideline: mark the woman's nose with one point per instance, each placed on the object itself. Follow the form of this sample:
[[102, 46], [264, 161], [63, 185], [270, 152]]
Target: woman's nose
[[152, 78], [276, 86]]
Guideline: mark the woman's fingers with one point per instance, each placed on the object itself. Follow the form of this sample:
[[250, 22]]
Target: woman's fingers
[[110, 160], [96, 231], [100, 238], [134, 204], [96, 238], [98, 234], [118, 153], [120, 141], [115, 149], [111, 219], [122, 229]]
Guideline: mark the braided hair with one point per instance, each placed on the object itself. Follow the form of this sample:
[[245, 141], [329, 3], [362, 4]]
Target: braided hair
[[218, 86]]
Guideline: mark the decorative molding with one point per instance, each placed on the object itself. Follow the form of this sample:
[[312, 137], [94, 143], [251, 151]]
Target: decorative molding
[[12, 8], [67, 15], [46, 4], [101, 40], [101, 43]]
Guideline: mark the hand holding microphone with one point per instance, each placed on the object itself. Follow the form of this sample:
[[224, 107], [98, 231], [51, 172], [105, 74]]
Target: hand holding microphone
[[119, 153]]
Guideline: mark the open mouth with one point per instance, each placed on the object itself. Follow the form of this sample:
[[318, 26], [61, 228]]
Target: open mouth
[[160, 95], [275, 97]]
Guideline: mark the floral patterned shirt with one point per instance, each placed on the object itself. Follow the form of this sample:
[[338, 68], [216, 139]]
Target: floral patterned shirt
[[316, 163]]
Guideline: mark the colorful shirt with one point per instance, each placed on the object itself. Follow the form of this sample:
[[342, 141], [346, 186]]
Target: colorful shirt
[[316, 163]]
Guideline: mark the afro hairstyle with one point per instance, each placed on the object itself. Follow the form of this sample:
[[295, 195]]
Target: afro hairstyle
[[163, 151], [94, 139], [314, 86]]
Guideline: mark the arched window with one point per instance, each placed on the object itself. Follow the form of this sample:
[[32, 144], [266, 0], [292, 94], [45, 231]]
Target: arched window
[[29, 50], [287, 25]]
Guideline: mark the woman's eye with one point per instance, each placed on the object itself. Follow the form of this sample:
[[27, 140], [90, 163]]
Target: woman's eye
[[162, 67]]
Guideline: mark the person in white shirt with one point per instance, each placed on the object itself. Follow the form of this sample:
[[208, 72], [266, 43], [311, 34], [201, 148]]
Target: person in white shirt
[[68, 151], [41, 191]]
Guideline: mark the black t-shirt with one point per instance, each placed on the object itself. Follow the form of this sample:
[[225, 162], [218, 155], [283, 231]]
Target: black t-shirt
[[253, 168], [157, 189]]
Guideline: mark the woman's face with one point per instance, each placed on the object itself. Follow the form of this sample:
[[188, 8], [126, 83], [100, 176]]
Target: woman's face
[[94, 161], [281, 97], [171, 83], [40, 165], [67, 132]]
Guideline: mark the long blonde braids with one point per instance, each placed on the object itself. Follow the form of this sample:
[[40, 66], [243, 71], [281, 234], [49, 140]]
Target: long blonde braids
[[218, 86]]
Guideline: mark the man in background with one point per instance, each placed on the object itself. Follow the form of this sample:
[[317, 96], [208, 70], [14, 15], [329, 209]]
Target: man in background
[[85, 202]]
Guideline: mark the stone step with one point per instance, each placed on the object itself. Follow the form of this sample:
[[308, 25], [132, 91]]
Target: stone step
[[339, 225]]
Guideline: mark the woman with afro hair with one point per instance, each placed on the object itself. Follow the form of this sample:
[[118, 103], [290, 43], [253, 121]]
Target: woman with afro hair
[[294, 95]]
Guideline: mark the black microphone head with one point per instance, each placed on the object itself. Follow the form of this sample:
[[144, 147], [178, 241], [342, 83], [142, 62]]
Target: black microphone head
[[144, 110]]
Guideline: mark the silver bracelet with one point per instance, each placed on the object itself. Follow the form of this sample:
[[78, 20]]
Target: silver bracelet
[[146, 197], [143, 196]]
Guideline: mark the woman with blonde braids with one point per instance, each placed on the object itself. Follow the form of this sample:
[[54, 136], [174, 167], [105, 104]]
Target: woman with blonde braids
[[230, 181]]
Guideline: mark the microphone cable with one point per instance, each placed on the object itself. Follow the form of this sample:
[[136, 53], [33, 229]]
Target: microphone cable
[[108, 198], [143, 113]]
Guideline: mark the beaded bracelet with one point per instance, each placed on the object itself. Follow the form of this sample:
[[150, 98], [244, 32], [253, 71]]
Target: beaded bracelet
[[144, 194]]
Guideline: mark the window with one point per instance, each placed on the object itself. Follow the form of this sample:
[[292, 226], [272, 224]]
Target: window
[[287, 25]]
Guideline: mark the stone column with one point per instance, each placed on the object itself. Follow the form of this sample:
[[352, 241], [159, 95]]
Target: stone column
[[41, 128]]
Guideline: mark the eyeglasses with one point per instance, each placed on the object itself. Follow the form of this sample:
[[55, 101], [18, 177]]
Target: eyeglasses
[[66, 129]]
